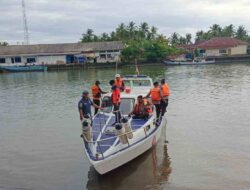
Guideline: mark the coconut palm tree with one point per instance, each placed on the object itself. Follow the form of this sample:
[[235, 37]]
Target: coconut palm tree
[[152, 33], [144, 29], [215, 30], [241, 33], [88, 36], [228, 31], [188, 38], [174, 39]]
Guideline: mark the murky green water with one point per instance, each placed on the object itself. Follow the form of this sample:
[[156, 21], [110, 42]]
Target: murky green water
[[208, 132]]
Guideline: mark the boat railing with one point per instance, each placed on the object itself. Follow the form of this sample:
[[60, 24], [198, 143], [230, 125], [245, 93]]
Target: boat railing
[[99, 145]]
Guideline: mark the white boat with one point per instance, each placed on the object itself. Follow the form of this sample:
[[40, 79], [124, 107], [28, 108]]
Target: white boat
[[105, 149], [194, 62]]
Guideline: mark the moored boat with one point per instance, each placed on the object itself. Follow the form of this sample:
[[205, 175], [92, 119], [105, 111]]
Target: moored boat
[[107, 147], [194, 62], [23, 68]]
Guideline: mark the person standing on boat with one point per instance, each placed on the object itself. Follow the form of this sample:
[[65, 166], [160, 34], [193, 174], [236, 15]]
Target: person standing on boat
[[119, 82], [97, 93], [116, 101], [84, 105], [165, 95], [156, 96]]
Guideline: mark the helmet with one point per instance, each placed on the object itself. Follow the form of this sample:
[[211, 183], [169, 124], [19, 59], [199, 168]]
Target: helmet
[[117, 76]]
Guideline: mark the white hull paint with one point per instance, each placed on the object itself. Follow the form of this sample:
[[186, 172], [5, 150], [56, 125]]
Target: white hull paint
[[121, 158]]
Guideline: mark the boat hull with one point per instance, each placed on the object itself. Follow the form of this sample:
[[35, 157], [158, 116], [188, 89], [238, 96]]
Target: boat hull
[[23, 68], [133, 151], [188, 63]]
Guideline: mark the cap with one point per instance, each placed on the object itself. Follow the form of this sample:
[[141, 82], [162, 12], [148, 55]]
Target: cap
[[85, 92], [117, 75], [97, 82]]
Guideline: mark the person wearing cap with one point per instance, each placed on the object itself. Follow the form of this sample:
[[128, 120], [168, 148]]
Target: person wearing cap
[[116, 101], [156, 96], [165, 94], [97, 93], [119, 82], [84, 105]]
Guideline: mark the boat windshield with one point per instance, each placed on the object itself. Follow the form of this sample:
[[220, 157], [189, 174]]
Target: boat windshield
[[137, 83], [127, 105]]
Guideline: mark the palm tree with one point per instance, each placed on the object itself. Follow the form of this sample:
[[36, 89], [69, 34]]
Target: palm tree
[[199, 35], [121, 32], [88, 36], [188, 38], [228, 31], [174, 39], [182, 40], [144, 29], [104, 37], [241, 33], [131, 29], [152, 33], [215, 30]]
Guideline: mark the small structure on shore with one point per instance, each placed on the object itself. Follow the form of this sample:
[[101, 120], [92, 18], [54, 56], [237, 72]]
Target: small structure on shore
[[219, 46], [67, 53]]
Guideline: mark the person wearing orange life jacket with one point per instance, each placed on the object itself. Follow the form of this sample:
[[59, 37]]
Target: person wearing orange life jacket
[[97, 93], [156, 96], [142, 109], [119, 82], [165, 93], [116, 101]]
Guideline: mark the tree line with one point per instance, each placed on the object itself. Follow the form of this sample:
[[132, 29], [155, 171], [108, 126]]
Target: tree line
[[142, 42], [4, 43], [215, 30]]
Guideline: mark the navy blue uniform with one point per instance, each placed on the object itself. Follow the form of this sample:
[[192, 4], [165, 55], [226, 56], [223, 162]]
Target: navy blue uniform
[[85, 106]]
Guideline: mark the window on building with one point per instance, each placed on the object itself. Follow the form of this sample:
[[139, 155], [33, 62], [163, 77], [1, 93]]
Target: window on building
[[103, 56], [31, 60], [16, 59], [2, 60], [223, 51]]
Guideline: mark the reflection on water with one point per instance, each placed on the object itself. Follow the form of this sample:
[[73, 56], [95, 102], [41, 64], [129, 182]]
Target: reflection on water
[[151, 170]]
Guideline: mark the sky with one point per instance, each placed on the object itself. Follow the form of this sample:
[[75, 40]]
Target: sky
[[63, 21]]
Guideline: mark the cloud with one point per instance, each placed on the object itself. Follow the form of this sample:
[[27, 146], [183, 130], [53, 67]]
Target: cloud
[[65, 20]]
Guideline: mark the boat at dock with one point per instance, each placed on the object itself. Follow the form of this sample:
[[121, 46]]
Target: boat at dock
[[22, 68], [108, 147], [193, 62]]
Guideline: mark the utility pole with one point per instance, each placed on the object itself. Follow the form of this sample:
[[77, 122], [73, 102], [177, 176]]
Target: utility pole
[[25, 24]]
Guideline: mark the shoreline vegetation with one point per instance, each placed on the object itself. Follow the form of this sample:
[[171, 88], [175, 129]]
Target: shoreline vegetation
[[143, 43]]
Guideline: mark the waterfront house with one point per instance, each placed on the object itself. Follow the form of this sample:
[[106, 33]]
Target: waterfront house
[[67, 53], [219, 46]]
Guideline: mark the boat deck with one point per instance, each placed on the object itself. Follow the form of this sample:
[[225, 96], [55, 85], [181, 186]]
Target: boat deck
[[99, 121]]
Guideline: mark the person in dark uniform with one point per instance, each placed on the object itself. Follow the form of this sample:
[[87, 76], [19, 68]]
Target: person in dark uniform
[[84, 105]]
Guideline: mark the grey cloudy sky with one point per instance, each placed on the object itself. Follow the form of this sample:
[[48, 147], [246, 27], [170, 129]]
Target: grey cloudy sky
[[55, 21]]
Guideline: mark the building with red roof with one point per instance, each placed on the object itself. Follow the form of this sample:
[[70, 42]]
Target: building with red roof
[[219, 46]]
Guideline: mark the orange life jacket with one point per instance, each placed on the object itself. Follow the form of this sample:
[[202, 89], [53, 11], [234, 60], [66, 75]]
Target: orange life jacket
[[165, 90], [96, 92], [120, 84], [155, 94], [147, 106], [116, 96]]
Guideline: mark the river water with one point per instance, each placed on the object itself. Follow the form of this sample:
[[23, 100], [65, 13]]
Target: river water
[[205, 145]]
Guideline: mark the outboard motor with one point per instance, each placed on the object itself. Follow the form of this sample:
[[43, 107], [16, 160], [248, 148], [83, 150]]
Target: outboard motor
[[120, 131], [126, 125], [86, 128]]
